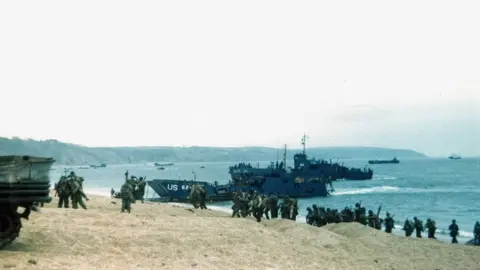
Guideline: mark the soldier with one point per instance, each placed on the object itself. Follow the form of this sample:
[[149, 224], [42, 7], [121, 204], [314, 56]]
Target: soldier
[[133, 182], [347, 215], [273, 205], [408, 227], [389, 223], [310, 217], [453, 228], [373, 220], [140, 192], [360, 214], [198, 196], [63, 192], [258, 207], [418, 224], [126, 193], [315, 215], [431, 228], [112, 193], [292, 208], [236, 204], [476, 234], [77, 193], [203, 197]]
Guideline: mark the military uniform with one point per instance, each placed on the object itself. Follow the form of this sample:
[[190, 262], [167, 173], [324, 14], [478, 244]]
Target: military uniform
[[476, 233], [126, 192], [63, 192], [389, 223], [418, 224], [431, 228], [453, 228], [76, 185], [408, 227], [140, 192]]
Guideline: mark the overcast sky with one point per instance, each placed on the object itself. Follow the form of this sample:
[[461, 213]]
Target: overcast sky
[[234, 73]]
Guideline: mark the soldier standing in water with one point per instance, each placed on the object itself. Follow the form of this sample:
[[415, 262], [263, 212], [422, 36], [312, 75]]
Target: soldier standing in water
[[453, 228], [476, 233], [389, 223], [431, 228]]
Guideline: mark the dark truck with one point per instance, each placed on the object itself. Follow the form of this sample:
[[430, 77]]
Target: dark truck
[[24, 182]]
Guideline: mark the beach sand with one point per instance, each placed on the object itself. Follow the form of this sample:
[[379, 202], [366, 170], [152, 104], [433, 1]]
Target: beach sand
[[162, 236]]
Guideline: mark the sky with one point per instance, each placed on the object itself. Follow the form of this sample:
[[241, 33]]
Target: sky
[[240, 73]]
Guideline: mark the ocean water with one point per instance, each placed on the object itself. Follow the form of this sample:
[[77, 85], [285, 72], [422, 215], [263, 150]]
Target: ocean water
[[440, 189]]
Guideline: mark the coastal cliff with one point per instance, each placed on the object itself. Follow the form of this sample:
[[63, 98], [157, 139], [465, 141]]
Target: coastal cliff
[[72, 154]]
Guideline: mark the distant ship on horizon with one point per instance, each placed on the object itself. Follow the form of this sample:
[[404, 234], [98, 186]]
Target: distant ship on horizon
[[392, 161], [454, 156]]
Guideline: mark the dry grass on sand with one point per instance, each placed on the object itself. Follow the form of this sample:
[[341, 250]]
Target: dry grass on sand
[[160, 236]]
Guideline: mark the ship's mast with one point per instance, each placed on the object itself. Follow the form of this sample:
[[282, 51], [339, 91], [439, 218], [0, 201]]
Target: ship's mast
[[304, 142], [285, 157]]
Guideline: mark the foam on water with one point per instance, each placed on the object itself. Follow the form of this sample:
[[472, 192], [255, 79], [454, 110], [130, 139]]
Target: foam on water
[[402, 190], [379, 189], [384, 177]]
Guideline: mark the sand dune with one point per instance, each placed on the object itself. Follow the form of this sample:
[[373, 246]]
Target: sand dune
[[161, 236]]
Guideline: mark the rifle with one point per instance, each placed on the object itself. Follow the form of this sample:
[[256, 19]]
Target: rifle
[[378, 211]]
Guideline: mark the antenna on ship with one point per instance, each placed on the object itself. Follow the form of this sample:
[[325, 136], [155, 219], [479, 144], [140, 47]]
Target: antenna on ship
[[304, 142]]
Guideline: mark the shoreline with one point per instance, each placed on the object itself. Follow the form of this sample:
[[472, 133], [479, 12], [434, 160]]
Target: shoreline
[[163, 236], [441, 234]]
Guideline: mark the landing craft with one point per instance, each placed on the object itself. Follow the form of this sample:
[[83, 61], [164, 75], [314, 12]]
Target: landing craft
[[308, 178]]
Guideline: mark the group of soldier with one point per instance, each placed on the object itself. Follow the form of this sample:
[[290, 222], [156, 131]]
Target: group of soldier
[[132, 190], [252, 203], [70, 188], [319, 216]]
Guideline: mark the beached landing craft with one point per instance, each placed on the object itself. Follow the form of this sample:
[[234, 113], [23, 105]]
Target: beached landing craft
[[24, 180], [308, 178]]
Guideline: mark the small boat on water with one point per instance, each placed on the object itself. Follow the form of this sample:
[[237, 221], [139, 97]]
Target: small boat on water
[[161, 168], [103, 165], [392, 161], [454, 156], [163, 164]]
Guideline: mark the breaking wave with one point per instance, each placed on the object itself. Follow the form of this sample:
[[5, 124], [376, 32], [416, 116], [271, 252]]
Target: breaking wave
[[405, 190], [384, 177], [379, 189]]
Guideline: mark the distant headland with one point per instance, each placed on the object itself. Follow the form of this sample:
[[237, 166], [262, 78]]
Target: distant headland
[[71, 154]]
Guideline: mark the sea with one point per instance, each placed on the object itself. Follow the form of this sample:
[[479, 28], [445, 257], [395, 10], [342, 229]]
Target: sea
[[436, 188]]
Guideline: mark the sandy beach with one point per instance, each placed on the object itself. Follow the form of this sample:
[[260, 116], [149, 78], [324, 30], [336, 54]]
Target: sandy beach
[[162, 236]]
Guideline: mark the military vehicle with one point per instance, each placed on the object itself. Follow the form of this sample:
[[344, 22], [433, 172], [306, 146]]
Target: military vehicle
[[24, 181]]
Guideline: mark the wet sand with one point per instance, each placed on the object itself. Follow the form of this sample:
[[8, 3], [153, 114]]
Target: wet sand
[[162, 236]]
